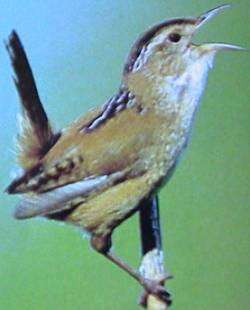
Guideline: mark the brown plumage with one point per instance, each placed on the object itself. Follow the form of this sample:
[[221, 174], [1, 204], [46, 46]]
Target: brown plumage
[[36, 135], [97, 171]]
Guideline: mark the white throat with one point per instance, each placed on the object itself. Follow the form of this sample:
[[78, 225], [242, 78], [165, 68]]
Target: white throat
[[181, 93]]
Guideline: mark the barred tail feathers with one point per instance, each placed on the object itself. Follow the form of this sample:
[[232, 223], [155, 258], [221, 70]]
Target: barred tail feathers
[[36, 135]]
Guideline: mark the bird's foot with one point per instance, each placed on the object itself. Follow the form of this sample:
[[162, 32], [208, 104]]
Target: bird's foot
[[156, 288]]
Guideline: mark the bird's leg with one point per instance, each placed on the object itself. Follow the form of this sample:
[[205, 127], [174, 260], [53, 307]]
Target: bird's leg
[[102, 245]]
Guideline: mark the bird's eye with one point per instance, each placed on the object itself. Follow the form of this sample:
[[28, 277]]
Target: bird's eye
[[174, 37]]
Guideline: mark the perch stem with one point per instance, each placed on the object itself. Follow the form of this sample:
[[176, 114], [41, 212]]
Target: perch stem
[[152, 263]]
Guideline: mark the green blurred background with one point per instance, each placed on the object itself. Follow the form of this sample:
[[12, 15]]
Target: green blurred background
[[77, 49]]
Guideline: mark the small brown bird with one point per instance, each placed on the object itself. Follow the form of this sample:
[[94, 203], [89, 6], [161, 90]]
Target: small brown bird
[[95, 173]]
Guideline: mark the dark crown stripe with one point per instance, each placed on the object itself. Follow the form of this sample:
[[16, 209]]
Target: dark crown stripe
[[147, 36]]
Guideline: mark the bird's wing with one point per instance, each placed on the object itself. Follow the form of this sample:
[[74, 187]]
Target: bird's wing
[[91, 155], [119, 143]]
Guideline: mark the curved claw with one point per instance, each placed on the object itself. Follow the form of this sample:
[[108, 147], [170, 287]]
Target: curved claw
[[155, 288]]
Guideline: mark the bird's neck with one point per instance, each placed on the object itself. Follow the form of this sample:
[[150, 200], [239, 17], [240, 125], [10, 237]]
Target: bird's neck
[[171, 88]]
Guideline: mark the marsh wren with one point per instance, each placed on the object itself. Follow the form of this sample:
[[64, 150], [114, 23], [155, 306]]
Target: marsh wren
[[95, 173]]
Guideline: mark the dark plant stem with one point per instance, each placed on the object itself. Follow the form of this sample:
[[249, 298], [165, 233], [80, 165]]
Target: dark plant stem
[[152, 264]]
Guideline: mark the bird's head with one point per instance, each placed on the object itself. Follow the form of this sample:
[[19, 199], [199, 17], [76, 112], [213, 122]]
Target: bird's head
[[172, 40]]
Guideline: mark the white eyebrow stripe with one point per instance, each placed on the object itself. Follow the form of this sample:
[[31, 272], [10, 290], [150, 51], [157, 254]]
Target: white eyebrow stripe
[[56, 200]]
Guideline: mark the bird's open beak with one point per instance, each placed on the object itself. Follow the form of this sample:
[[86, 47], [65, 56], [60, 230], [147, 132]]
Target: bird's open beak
[[202, 19]]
